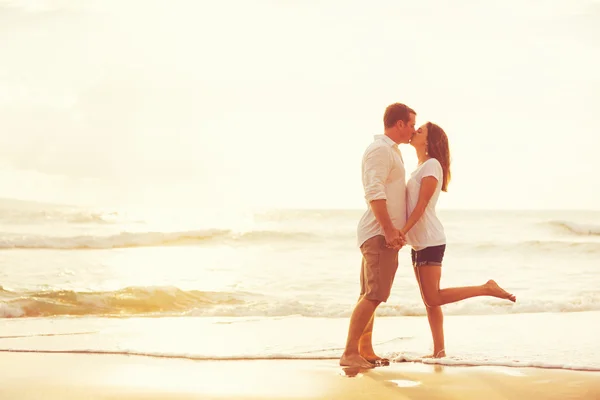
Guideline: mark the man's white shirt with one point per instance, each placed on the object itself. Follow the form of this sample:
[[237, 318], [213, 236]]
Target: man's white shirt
[[383, 177]]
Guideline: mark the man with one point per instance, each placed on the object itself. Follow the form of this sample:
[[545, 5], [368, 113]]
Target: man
[[379, 235]]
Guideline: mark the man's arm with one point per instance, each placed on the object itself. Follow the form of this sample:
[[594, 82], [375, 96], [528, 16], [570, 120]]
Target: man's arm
[[376, 168], [393, 237]]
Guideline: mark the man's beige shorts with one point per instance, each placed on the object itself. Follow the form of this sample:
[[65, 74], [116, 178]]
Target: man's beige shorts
[[379, 265]]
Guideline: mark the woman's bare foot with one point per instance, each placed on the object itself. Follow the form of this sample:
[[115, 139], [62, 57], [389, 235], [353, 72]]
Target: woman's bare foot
[[438, 354], [497, 291], [354, 360]]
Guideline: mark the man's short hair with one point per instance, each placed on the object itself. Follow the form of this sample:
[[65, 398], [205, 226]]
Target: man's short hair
[[396, 112]]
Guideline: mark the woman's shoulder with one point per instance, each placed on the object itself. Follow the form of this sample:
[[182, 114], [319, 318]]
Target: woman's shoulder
[[430, 164], [433, 162]]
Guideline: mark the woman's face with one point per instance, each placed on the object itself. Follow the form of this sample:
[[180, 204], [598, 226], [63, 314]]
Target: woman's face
[[419, 139]]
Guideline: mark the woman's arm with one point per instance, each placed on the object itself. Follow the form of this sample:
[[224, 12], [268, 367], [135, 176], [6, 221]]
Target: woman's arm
[[428, 186]]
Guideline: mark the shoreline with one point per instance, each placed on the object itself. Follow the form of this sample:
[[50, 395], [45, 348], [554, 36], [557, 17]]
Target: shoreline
[[443, 362], [531, 342]]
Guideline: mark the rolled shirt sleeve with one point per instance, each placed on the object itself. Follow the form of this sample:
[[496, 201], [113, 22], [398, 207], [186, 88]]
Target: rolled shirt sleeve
[[377, 163]]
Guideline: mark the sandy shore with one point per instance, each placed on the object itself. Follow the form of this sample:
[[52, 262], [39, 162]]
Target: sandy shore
[[75, 376]]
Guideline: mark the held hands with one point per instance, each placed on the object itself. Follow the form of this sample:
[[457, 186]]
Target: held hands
[[394, 239]]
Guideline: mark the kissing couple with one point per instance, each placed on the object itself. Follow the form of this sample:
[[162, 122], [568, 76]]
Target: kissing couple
[[403, 213]]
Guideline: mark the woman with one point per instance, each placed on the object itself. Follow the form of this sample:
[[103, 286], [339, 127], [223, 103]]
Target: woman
[[425, 233]]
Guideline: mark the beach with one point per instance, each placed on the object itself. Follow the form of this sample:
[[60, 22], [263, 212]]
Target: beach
[[64, 376], [296, 358]]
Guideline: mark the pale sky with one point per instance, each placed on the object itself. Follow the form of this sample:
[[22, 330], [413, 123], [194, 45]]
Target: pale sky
[[272, 103]]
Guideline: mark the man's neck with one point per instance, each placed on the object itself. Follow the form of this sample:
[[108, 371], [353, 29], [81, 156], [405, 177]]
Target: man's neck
[[390, 137]]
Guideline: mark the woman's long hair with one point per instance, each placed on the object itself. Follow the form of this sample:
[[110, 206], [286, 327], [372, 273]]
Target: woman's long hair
[[438, 148]]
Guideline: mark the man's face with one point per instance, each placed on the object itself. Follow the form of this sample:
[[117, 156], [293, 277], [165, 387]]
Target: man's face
[[406, 130]]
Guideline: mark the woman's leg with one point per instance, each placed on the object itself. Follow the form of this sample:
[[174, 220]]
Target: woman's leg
[[429, 278], [435, 317]]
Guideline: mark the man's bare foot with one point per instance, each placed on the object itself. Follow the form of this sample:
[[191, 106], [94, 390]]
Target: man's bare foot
[[370, 356], [439, 354], [354, 360], [497, 291], [376, 360]]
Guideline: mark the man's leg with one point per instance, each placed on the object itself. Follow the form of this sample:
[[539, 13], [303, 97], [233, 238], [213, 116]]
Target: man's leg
[[361, 316], [377, 274], [365, 343], [387, 264]]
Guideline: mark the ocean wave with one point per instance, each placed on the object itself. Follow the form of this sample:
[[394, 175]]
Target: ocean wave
[[171, 301], [10, 240], [145, 239], [533, 245], [577, 228], [61, 215], [125, 302]]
